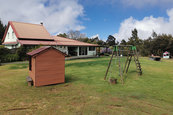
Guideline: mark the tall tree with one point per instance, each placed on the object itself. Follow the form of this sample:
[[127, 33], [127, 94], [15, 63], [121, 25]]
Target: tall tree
[[2, 31], [134, 40], [111, 40]]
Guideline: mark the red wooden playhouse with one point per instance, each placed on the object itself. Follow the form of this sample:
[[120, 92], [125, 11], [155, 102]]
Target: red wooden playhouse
[[46, 66]]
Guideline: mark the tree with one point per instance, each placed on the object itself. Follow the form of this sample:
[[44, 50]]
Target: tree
[[154, 34], [134, 40], [22, 53], [101, 42], [111, 40], [75, 35], [63, 35], [2, 31], [162, 43], [123, 42]]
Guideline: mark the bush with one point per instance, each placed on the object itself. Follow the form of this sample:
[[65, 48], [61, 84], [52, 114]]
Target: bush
[[10, 58], [18, 54], [106, 50], [34, 48], [21, 52], [3, 52], [106, 54]]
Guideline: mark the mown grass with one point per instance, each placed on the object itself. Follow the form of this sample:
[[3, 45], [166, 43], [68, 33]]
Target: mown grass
[[86, 92]]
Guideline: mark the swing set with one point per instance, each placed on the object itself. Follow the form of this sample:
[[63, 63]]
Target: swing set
[[123, 56]]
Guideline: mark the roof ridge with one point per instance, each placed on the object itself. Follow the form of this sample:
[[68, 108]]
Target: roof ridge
[[25, 23]]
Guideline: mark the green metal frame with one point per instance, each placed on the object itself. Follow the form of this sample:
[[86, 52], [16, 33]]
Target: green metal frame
[[132, 49]]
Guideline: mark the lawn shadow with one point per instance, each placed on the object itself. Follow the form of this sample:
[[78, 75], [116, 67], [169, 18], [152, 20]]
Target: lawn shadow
[[70, 78], [126, 75], [18, 66], [131, 71]]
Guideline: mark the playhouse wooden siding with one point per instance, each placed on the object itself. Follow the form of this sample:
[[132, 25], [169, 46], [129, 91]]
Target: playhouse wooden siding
[[48, 67]]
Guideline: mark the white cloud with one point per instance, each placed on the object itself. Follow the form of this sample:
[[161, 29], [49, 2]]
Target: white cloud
[[57, 15], [146, 26]]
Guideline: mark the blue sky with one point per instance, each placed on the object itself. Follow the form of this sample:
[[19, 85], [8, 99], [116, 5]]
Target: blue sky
[[93, 17], [105, 19]]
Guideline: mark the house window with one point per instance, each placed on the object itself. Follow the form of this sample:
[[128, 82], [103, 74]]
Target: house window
[[12, 35], [82, 50], [91, 48], [30, 63], [8, 36]]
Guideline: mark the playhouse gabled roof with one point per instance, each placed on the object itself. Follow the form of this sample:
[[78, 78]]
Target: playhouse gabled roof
[[42, 49], [28, 31]]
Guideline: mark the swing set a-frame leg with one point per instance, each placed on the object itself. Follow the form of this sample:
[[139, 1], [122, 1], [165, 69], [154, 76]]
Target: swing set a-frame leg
[[126, 63], [109, 65]]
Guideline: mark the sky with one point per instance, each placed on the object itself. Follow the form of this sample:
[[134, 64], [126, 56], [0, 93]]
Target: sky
[[93, 17]]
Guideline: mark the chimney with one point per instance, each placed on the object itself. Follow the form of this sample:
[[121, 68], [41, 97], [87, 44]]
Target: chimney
[[41, 23]]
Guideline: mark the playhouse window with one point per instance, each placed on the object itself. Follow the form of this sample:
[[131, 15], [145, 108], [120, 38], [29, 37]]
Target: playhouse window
[[30, 63]]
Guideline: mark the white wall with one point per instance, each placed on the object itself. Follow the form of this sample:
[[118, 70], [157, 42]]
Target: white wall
[[91, 53], [63, 49], [11, 37]]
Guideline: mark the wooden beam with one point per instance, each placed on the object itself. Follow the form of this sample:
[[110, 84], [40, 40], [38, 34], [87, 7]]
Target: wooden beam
[[109, 65]]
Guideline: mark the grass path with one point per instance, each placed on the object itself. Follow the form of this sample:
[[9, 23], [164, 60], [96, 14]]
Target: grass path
[[85, 91]]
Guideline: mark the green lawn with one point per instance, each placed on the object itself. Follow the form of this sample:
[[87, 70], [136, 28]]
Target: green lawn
[[86, 92]]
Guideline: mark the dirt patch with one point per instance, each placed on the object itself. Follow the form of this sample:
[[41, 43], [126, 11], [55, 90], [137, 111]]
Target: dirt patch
[[116, 105], [113, 106], [66, 85], [142, 103], [116, 99]]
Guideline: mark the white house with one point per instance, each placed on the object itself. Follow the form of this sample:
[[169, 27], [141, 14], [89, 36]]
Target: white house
[[27, 34]]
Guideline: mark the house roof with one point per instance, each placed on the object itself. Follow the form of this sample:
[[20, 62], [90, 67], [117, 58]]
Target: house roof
[[70, 42], [10, 43], [41, 49], [36, 42], [166, 52], [29, 31], [36, 34]]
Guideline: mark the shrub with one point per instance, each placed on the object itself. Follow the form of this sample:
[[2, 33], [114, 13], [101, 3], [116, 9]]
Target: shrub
[[10, 57], [106, 50], [34, 48], [106, 54], [3, 52], [21, 52]]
